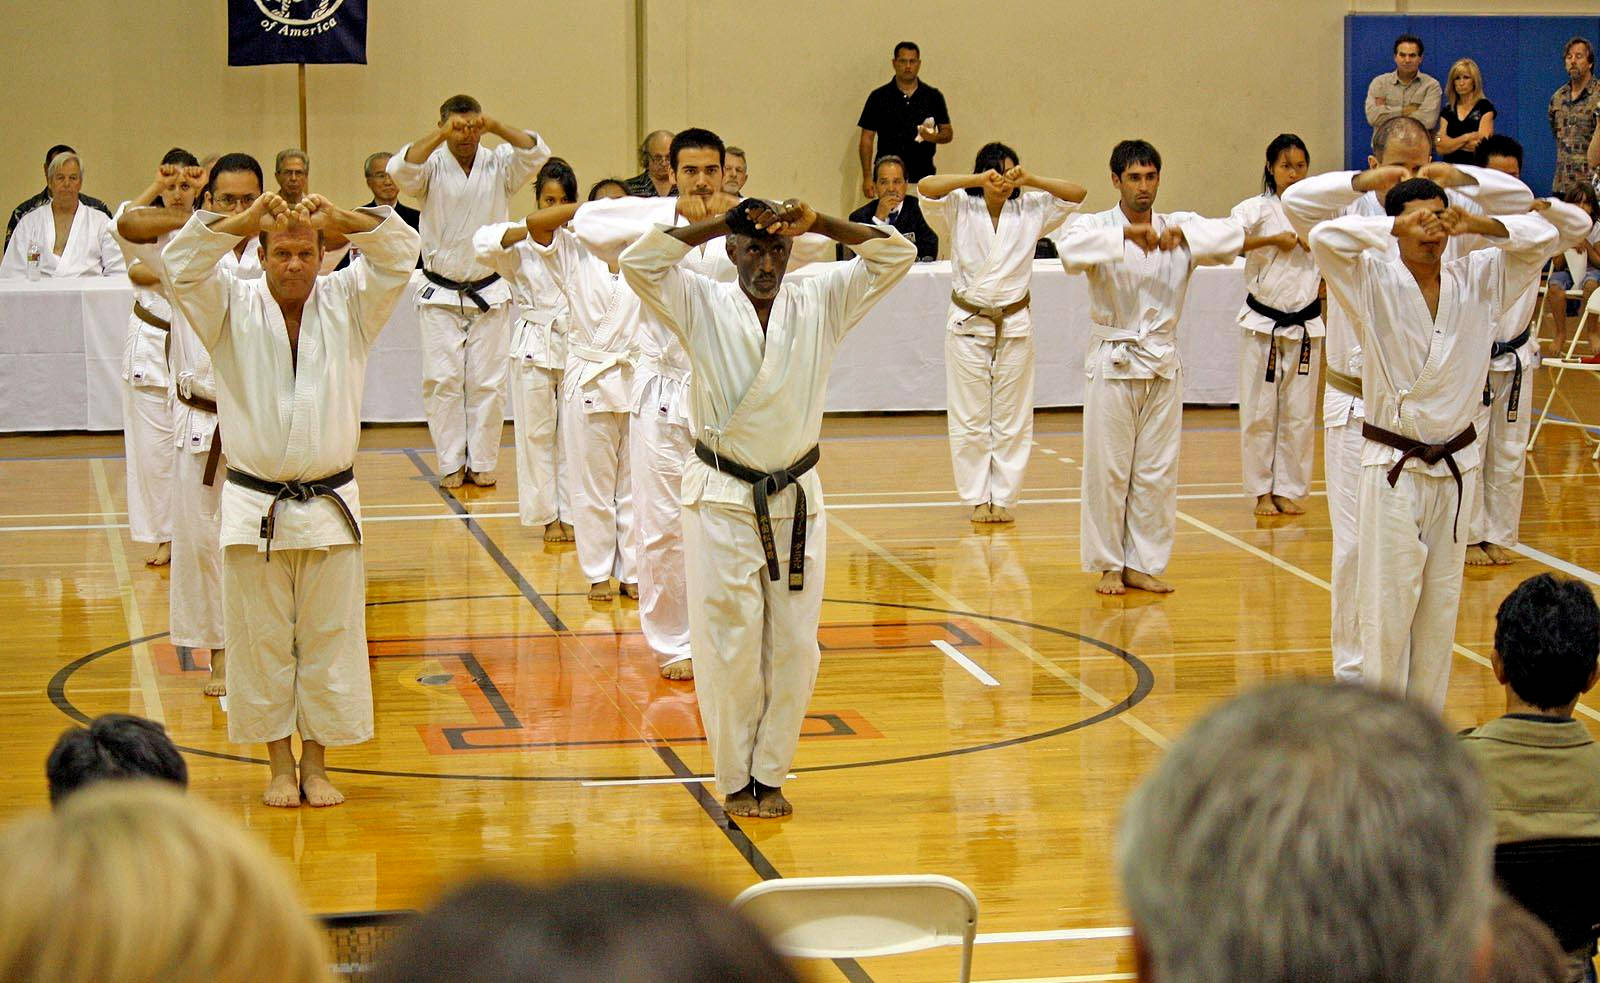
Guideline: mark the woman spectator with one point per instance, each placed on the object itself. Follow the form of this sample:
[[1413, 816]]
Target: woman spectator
[[1468, 117]]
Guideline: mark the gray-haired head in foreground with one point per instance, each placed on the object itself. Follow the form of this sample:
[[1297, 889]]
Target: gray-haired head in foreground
[[1310, 831]]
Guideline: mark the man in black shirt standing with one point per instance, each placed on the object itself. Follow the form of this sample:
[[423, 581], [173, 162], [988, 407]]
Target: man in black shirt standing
[[906, 117]]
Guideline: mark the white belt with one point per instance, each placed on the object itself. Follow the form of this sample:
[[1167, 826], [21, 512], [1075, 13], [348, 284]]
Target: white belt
[[656, 364], [555, 342], [598, 360], [193, 387], [1128, 340]]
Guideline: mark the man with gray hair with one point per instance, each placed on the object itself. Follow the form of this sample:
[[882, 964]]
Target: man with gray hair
[[292, 168], [655, 156], [1259, 849]]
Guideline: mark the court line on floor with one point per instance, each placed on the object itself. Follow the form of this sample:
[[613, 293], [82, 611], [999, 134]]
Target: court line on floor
[[1027, 651], [139, 654], [1570, 569], [960, 659]]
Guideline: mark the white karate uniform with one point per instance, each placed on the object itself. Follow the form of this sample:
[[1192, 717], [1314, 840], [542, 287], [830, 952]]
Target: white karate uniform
[[597, 390], [147, 410], [1306, 203], [464, 350], [91, 248], [757, 397], [1277, 419], [537, 359], [296, 625], [1421, 377], [1502, 441], [662, 438], [989, 379], [1133, 410]]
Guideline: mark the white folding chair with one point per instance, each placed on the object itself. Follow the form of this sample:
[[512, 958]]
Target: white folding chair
[[1568, 362], [1577, 265], [855, 917]]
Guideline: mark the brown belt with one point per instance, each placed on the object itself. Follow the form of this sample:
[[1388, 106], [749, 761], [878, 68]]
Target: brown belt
[[214, 455], [1426, 453], [996, 314], [1347, 384], [143, 313]]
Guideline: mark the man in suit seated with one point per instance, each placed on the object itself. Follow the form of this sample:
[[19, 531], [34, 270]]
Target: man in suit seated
[[892, 208]]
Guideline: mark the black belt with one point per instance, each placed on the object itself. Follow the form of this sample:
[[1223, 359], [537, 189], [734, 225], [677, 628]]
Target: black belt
[[469, 288], [299, 491], [765, 484], [1508, 348], [1426, 453], [214, 455], [1286, 319]]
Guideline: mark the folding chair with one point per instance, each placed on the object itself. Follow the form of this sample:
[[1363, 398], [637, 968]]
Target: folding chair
[[355, 938], [1577, 264], [854, 917], [1569, 362]]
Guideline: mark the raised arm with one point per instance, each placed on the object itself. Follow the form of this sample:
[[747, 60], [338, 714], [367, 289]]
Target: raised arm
[[939, 185], [1052, 186], [199, 287], [868, 139], [524, 150], [1337, 246], [792, 218], [607, 226], [373, 283], [542, 224]]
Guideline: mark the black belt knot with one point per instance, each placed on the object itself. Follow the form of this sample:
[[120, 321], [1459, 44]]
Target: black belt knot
[[764, 485], [469, 288], [1507, 348], [298, 491], [1286, 319], [1426, 453]]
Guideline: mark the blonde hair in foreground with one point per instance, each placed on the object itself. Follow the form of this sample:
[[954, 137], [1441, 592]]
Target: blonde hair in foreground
[[134, 882]]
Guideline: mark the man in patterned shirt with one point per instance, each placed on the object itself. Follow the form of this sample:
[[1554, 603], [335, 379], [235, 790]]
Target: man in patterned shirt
[[1574, 109]]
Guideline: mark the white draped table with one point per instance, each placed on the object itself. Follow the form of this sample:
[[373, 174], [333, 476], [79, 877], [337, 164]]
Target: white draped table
[[61, 345]]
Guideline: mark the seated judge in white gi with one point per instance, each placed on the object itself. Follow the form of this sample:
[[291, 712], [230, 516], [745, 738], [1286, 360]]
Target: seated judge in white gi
[[1281, 362], [992, 230], [290, 355], [596, 392], [538, 357], [754, 527], [62, 237], [1425, 327], [465, 309], [661, 438], [1138, 263], [1401, 148]]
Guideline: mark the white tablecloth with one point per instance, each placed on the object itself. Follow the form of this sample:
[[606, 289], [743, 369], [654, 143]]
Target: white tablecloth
[[61, 347]]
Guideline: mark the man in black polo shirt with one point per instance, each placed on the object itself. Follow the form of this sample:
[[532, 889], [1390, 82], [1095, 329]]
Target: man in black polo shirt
[[44, 196], [906, 117]]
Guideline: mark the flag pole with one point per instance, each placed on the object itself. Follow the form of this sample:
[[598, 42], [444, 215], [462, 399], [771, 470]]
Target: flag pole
[[303, 108]]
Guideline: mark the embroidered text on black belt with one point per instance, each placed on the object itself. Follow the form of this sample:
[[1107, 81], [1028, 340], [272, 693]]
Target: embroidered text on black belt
[[1286, 319], [298, 491], [764, 485], [469, 288], [1507, 348], [1427, 454]]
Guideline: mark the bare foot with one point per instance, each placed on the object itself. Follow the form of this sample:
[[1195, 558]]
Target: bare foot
[[282, 792], [601, 591], [630, 591], [217, 685], [319, 791], [742, 803], [568, 534], [1110, 583], [483, 479], [1265, 506], [453, 479], [1477, 556], [983, 513], [1001, 514], [773, 804], [160, 556], [1287, 506], [680, 670], [1499, 555], [557, 532], [1143, 581]]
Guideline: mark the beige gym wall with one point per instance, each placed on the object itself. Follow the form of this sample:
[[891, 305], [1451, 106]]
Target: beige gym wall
[[1061, 80]]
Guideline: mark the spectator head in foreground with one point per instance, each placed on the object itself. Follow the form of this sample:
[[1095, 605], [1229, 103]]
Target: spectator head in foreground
[[1310, 831], [138, 883], [1524, 949], [1546, 645], [113, 746], [586, 930]]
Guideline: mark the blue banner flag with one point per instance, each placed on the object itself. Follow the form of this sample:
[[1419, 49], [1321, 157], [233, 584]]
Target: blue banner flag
[[288, 32]]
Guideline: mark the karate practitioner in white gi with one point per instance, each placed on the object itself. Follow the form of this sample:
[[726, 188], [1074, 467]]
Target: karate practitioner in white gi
[[1280, 363], [1425, 327], [754, 528], [1401, 147], [195, 605], [464, 310], [992, 230], [63, 237], [597, 389], [290, 352], [1138, 263], [538, 357], [661, 438]]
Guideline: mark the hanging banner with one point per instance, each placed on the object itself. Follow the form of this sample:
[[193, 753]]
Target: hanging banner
[[288, 32]]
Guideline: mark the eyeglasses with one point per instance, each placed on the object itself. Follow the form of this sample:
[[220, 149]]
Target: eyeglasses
[[235, 201], [660, 158]]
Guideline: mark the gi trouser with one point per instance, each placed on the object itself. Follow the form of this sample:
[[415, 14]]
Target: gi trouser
[[537, 419], [658, 447], [601, 490], [989, 391], [149, 450], [1277, 420], [195, 605], [464, 362], [1129, 510], [1341, 458], [1504, 454]]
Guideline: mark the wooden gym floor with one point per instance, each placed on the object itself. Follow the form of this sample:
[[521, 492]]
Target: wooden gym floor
[[521, 727]]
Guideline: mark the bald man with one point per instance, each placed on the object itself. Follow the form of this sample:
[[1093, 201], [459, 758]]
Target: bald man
[[655, 156]]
